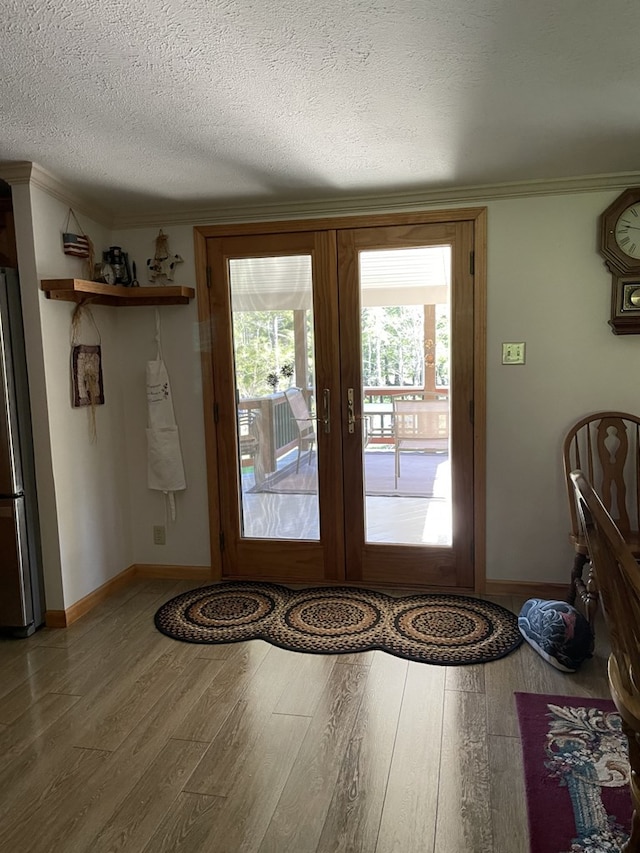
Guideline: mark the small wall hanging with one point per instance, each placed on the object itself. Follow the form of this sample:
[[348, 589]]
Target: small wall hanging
[[161, 267], [78, 245], [86, 368]]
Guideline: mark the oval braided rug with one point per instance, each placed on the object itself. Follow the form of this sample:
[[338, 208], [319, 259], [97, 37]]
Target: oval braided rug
[[430, 628]]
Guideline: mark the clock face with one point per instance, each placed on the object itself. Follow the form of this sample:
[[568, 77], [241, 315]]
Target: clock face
[[627, 231]]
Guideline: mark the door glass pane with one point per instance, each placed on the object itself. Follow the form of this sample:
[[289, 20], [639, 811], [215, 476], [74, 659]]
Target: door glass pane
[[272, 307], [405, 340]]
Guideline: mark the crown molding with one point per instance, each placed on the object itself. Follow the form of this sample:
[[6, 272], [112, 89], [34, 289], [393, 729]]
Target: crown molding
[[25, 172], [16, 171], [48, 183], [371, 204]]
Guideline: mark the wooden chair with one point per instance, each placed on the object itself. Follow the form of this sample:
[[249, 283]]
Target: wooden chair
[[304, 422], [605, 445], [419, 425], [618, 579]]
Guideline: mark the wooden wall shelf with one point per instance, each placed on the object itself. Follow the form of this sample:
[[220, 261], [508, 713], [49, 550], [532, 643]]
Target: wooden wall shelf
[[79, 290]]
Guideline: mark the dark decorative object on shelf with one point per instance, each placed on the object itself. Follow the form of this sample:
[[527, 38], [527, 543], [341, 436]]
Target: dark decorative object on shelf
[[119, 261]]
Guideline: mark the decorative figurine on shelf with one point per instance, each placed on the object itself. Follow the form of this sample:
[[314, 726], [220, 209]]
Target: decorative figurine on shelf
[[161, 267], [119, 260], [114, 267]]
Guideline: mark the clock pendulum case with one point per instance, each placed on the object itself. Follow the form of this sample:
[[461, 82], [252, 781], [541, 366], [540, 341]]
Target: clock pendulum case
[[619, 244]]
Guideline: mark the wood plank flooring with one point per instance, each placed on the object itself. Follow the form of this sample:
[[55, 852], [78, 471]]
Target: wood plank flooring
[[116, 738]]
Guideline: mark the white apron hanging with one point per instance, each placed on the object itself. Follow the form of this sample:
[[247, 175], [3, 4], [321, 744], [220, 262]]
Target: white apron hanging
[[165, 471]]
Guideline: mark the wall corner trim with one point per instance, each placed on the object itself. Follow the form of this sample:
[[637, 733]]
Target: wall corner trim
[[529, 589], [64, 618], [178, 573]]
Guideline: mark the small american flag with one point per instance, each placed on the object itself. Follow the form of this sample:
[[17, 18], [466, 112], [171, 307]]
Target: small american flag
[[76, 244]]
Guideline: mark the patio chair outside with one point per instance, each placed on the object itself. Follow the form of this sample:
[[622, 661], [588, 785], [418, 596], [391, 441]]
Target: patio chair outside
[[419, 426], [249, 441], [304, 422]]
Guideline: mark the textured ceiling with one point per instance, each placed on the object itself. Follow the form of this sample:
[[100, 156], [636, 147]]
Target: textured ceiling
[[181, 103]]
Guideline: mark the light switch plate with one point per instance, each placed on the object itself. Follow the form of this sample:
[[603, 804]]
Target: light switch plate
[[513, 353]]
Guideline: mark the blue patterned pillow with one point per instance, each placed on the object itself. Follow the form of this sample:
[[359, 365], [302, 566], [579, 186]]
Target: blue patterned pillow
[[557, 631]]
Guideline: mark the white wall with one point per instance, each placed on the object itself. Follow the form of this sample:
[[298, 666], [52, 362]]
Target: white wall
[[187, 539], [90, 480], [547, 286]]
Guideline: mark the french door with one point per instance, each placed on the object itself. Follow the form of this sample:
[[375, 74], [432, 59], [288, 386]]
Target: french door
[[339, 390]]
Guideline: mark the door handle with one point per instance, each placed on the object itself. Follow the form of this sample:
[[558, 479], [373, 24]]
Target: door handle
[[326, 414], [351, 414], [351, 411]]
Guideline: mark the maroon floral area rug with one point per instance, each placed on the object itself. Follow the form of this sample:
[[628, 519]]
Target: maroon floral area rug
[[576, 770]]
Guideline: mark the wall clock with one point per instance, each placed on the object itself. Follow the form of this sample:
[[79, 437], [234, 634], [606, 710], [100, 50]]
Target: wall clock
[[619, 244]]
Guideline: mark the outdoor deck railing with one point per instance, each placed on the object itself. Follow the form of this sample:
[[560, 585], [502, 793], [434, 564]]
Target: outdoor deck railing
[[377, 404], [279, 431]]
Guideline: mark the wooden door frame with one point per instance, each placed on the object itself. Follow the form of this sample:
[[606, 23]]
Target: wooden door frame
[[475, 215], [272, 558], [435, 566]]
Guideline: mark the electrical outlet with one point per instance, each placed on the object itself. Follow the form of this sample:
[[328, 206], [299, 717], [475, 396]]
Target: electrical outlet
[[159, 534]]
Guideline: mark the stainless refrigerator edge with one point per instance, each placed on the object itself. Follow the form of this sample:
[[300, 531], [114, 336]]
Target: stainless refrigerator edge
[[21, 587]]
